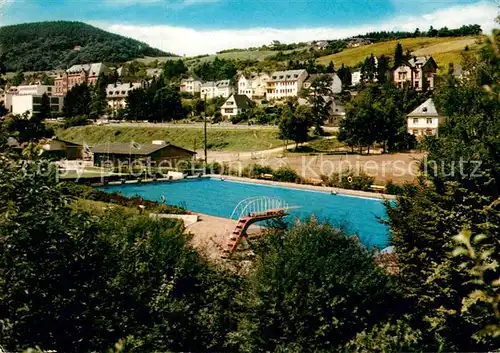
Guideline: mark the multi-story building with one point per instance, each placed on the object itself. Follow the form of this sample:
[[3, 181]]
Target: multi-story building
[[78, 74], [24, 90], [424, 120], [419, 72], [116, 94], [254, 85], [335, 86], [32, 103], [190, 85], [283, 84], [211, 89]]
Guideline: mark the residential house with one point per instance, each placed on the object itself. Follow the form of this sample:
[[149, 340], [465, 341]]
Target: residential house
[[320, 45], [236, 104], [116, 94], [78, 74], [356, 78], [357, 42], [283, 84], [424, 120], [335, 87], [159, 154], [419, 72], [337, 110], [30, 103], [211, 89], [190, 85], [253, 85]]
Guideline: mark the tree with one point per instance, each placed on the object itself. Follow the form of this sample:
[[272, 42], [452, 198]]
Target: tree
[[313, 288], [345, 76], [174, 69], [320, 97], [369, 69], [78, 101], [167, 105], [456, 198], [330, 69], [18, 79], [75, 282], [398, 55], [44, 111], [295, 123], [99, 103], [25, 128], [382, 68]]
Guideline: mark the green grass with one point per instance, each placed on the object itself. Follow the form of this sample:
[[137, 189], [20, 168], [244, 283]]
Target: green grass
[[444, 50], [190, 138], [259, 55]]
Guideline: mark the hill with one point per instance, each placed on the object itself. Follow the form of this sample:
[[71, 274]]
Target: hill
[[443, 49], [59, 44]]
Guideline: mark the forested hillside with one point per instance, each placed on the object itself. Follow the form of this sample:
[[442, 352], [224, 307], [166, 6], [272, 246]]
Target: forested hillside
[[49, 45]]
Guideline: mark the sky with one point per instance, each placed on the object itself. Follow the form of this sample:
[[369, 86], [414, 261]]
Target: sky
[[192, 27]]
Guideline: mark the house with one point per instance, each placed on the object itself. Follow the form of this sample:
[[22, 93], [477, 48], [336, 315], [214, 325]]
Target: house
[[60, 149], [357, 42], [253, 85], [419, 72], [78, 74], [234, 105], [53, 148], [283, 84], [356, 78], [190, 85], [320, 45], [30, 103], [159, 154], [211, 89], [337, 110], [424, 120], [335, 87], [116, 94]]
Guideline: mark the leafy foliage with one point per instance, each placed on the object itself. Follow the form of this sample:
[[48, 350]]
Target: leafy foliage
[[312, 290], [295, 123], [50, 45]]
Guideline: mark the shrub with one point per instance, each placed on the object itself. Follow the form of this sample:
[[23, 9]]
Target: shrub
[[349, 180], [286, 174], [393, 189], [79, 120]]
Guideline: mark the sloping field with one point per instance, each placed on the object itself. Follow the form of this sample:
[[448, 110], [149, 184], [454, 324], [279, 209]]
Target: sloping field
[[192, 138], [444, 50]]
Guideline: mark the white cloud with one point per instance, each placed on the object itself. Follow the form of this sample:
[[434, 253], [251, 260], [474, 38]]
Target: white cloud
[[181, 40]]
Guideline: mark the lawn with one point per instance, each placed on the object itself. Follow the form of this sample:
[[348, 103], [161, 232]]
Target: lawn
[[444, 50], [190, 138]]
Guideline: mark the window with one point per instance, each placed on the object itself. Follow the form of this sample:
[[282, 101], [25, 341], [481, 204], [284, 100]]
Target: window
[[296, 76], [415, 120], [417, 84], [424, 109], [429, 120], [229, 103], [415, 132], [229, 111]]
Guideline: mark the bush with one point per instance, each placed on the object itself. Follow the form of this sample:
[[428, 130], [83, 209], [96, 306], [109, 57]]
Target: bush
[[286, 174], [393, 189], [349, 180], [79, 120]]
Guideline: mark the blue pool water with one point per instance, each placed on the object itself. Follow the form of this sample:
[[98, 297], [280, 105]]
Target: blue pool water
[[218, 198]]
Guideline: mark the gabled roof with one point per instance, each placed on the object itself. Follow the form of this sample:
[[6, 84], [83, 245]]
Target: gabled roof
[[116, 90], [132, 148], [223, 83], [286, 75], [94, 69], [241, 101], [426, 109], [208, 84], [312, 77]]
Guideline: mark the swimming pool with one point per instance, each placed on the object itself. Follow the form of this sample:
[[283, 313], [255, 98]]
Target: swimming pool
[[218, 198]]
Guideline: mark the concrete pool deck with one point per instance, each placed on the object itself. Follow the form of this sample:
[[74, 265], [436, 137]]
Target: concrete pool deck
[[347, 192]]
